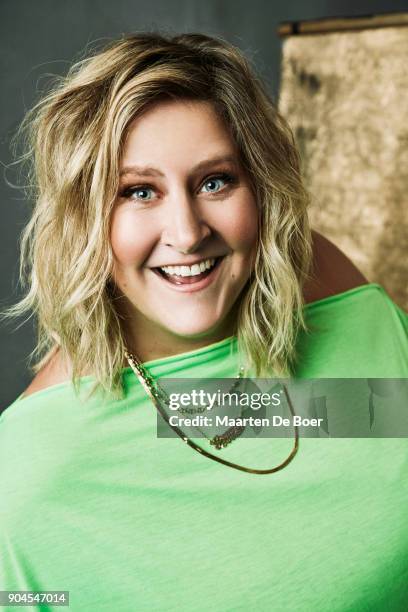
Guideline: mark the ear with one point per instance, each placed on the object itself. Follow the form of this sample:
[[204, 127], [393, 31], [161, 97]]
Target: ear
[[332, 271]]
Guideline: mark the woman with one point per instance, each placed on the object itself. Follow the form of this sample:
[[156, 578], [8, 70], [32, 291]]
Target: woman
[[171, 231]]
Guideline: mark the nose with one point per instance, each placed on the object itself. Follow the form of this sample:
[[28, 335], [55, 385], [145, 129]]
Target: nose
[[184, 228]]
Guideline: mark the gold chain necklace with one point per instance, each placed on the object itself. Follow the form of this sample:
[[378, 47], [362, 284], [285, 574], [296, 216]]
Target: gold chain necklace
[[228, 436], [158, 395]]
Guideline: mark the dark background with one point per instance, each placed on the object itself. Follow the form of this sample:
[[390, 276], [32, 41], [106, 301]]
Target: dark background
[[43, 37]]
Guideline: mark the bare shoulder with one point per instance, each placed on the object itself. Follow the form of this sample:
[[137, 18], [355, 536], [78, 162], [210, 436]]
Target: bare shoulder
[[332, 271], [55, 371]]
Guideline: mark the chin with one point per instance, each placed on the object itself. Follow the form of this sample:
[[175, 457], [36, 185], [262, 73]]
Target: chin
[[193, 330]]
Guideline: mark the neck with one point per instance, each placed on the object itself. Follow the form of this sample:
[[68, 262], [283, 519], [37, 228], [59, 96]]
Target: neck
[[159, 348], [149, 342]]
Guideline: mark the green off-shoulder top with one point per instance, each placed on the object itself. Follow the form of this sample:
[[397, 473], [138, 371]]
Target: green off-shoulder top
[[94, 503]]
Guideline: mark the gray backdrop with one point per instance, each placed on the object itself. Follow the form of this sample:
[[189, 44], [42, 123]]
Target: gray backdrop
[[44, 37]]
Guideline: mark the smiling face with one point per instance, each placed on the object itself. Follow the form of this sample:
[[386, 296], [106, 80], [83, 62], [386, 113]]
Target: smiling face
[[183, 229]]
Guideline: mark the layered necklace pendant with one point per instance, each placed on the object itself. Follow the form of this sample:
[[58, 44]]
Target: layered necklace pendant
[[160, 397]]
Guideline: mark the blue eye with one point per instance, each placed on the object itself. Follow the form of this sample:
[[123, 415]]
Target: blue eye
[[216, 183], [141, 193]]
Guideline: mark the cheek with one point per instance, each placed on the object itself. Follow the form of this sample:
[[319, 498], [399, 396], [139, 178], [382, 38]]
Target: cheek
[[243, 228], [129, 243]]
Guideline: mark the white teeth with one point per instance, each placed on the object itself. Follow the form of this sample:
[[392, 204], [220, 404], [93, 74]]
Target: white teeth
[[195, 269], [189, 270]]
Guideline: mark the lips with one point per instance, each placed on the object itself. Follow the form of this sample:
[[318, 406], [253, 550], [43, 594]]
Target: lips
[[176, 280]]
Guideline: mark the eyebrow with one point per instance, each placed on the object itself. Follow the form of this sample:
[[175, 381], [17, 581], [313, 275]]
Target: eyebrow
[[203, 165]]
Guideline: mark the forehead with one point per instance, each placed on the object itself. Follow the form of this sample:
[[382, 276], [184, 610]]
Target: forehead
[[177, 132]]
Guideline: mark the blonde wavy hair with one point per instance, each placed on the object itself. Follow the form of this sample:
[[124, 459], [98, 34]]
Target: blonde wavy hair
[[74, 137]]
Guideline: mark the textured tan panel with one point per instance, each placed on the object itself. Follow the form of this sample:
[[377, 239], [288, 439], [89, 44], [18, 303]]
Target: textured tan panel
[[345, 96]]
